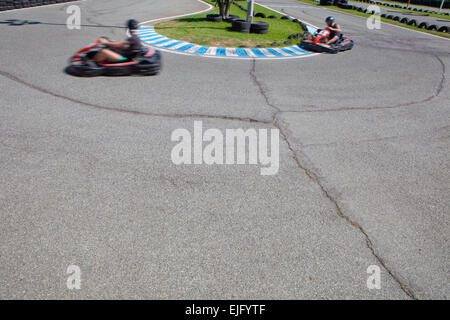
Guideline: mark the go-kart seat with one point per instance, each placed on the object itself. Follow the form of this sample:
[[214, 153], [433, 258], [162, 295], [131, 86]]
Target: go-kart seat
[[137, 53]]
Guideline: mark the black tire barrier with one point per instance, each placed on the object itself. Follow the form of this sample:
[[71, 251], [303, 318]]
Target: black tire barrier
[[232, 17], [360, 9], [404, 20], [433, 27], [383, 15], [412, 22], [287, 42], [344, 6], [444, 29], [272, 17], [286, 18], [259, 27], [241, 26], [274, 44], [390, 17], [260, 15], [396, 18], [152, 66], [423, 25], [214, 17], [296, 20], [326, 2], [295, 36], [86, 71]]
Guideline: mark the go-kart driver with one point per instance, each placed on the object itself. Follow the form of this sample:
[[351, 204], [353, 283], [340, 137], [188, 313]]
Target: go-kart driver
[[121, 51], [335, 30]]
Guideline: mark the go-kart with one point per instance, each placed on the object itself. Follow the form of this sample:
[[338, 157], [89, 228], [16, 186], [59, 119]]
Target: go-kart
[[317, 42], [146, 62]]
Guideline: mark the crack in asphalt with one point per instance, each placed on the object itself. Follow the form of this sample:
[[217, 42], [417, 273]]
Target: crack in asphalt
[[135, 112], [274, 121], [438, 90], [313, 177]]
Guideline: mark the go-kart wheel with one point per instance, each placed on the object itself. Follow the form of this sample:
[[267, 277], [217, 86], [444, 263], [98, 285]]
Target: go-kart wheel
[[83, 70], [118, 71], [149, 66], [149, 72]]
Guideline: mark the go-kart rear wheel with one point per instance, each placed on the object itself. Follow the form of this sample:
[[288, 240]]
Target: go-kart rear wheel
[[146, 70], [118, 71], [149, 66], [83, 70]]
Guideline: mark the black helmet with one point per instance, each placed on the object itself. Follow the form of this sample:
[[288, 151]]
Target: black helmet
[[132, 24], [329, 20]]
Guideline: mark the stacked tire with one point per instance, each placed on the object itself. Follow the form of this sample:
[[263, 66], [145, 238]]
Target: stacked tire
[[240, 25], [214, 17], [259, 27]]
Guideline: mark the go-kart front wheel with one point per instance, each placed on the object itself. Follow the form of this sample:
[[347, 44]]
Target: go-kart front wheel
[[83, 70]]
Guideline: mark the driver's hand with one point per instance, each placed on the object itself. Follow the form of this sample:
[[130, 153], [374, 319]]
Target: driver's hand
[[103, 41]]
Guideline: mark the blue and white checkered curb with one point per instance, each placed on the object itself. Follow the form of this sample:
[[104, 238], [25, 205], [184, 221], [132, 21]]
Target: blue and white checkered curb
[[148, 35]]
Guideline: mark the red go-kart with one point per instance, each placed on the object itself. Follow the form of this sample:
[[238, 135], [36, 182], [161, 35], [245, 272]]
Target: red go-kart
[[147, 62], [316, 42]]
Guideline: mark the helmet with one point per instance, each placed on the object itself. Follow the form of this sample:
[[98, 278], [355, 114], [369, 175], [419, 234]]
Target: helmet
[[132, 24], [329, 20]]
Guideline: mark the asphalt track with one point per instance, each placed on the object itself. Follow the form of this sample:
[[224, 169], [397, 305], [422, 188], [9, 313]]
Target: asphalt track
[[87, 179]]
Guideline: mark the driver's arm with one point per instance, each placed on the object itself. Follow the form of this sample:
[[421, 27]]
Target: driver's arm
[[114, 44]]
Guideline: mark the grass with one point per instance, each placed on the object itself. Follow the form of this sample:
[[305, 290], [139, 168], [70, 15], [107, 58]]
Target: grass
[[425, 14], [362, 14], [196, 29]]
